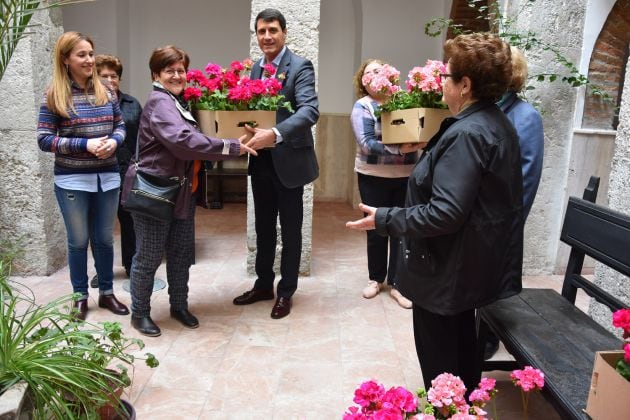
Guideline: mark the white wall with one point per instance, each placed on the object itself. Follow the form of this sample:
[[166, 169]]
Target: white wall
[[218, 31]]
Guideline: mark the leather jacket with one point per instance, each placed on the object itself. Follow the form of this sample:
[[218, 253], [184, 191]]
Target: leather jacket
[[462, 227]]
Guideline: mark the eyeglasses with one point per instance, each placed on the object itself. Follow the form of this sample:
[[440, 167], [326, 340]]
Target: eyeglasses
[[172, 72], [113, 77], [445, 75]]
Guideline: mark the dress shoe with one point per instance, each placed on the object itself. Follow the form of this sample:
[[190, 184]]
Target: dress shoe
[[253, 296], [184, 316], [282, 307], [110, 302], [146, 326], [80, 309]]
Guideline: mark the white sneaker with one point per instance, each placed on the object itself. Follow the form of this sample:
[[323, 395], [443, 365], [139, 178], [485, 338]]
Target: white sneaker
[[372, 289], [402, 301]]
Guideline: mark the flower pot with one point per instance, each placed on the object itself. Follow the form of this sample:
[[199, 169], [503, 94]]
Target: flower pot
[[207, 122], [15, 402], [125, 411], [231, 124], [608, 395], [415, 125]]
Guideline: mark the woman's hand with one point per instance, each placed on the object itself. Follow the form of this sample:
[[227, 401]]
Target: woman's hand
[[246, 149], [95, 144], [411, 147], [368, 222], [106, 149]]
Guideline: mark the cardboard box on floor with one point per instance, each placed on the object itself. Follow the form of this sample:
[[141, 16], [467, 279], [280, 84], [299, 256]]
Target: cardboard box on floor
[[609, 395], [416, 125], [231, 124]]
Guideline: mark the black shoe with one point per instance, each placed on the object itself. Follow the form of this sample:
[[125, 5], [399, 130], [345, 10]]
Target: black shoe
[[146, 326], [491, 347], [184, 316], [94, 282], [252, 296], [282, 307]]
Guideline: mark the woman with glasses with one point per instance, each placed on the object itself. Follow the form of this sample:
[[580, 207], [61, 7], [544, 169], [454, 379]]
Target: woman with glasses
[[169, 142], [81, 123], [462, 222], [382, 172], [109, 69]]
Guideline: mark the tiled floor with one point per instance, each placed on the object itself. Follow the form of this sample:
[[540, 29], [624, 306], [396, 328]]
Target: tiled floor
[[241, 364]]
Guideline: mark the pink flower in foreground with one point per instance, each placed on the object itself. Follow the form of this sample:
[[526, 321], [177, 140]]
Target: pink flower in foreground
[[487, 384], [463, 416], [621, 319], [626, 349], [528, 378], [447, 390], [368, 392], [237, 66], [354, 414], [400, 398]]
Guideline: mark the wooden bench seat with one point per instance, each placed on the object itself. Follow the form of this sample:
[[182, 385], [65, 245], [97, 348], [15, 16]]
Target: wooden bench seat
[[544, 329]]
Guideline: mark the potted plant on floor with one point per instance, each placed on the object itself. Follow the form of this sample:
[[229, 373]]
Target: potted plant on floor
[[70, 368]]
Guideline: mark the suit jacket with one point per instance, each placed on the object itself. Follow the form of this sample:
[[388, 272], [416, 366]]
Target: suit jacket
[[294, 158], [529, 127]]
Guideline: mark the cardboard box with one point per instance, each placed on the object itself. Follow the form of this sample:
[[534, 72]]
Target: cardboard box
[[231, 124], [609, 395], [416, 125], [207, 122]]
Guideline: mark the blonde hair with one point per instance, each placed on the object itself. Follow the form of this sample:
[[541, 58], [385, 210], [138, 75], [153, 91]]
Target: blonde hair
[[59, 94], [519, 70], [359, 89]]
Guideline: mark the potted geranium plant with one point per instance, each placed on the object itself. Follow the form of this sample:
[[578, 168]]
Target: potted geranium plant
[[235, 98], [415, 114], [444, 400]]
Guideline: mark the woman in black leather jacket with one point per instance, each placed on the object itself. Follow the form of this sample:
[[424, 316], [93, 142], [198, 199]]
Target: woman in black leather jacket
[[462, 225]]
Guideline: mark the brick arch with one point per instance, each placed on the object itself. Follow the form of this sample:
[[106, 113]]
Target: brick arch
[[607, 68]]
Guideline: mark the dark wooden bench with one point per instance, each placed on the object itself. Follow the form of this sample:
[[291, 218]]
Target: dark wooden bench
[[544, 329]]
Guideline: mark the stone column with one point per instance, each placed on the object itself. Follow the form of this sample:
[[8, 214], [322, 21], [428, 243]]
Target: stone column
[[548, 19], [303, 39], [28, 209], [618, 199]]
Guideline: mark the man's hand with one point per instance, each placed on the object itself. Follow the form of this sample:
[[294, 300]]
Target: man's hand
[[263, 137], [368, 222]]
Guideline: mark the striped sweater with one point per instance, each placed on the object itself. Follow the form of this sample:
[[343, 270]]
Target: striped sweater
[[373, 157], [67, 137]]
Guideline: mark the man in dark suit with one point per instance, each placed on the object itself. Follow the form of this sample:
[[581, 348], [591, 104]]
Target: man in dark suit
[[286, 162]]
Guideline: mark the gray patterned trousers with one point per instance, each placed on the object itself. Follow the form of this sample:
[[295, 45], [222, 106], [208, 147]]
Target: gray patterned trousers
[[153, 237]]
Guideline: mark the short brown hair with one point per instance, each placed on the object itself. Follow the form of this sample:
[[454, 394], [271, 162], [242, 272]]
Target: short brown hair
[[485, 59], [111, 61], [165, 56], [359, 89], [519, 70]]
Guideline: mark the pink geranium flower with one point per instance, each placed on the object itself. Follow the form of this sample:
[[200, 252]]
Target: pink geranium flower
[[626, 349], [621, 319], [231, 89], [528, 379]]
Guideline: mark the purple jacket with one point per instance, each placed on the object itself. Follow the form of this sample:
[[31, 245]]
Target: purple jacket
[[168, 146]]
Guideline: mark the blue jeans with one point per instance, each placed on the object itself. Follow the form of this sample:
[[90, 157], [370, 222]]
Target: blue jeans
[[89, 216]]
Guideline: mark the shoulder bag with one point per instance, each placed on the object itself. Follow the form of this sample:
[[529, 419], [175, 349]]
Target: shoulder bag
[[152, 195]]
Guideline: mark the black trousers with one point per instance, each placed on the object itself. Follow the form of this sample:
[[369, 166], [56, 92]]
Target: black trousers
[[447, 343], [272, 199], [127, 238], [377, 191]]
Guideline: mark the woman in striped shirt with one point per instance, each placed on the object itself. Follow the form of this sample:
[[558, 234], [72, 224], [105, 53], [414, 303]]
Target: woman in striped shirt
[[82, 125]]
